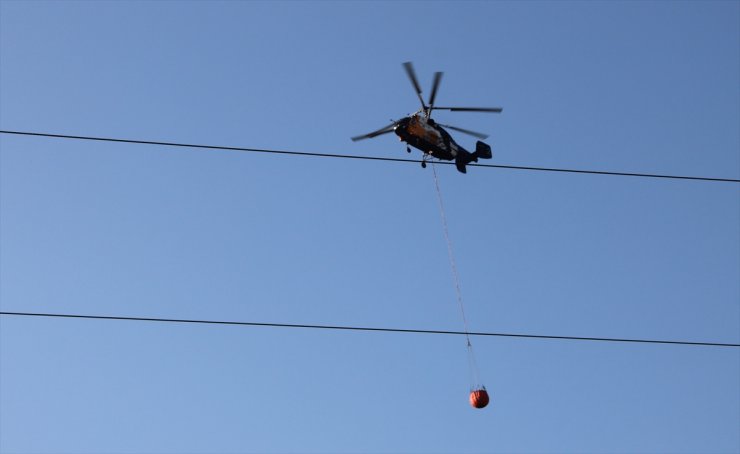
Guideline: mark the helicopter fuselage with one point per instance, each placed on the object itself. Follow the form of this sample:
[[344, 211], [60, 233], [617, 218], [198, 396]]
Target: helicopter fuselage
[[427, 136], [420, 131]]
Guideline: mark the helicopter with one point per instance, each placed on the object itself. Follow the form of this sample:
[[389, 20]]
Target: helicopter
[[420, 131]]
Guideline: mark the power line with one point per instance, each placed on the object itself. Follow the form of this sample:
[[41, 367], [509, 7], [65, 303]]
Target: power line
[[362, 328], [369, 158]]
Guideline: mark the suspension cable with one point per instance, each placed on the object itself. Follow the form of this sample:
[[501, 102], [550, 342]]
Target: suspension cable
[[472, 363]]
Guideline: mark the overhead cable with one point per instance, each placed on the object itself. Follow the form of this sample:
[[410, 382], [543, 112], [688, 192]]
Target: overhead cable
[[363, 328], [369, 158]]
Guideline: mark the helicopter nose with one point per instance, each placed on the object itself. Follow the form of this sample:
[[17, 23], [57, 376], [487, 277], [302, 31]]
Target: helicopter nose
[[401, 126]]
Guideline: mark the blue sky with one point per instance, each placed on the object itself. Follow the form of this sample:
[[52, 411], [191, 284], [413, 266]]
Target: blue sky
[[143, 231]]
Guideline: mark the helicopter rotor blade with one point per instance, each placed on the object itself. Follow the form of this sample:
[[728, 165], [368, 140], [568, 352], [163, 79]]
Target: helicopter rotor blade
[[435, 86], [471, 109], [479, 135], [376, 133], [409, 67]]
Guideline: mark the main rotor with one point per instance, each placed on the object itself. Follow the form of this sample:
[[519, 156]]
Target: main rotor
[[426, 109]]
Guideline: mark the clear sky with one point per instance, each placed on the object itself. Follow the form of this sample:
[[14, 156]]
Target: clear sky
[[144, 231]]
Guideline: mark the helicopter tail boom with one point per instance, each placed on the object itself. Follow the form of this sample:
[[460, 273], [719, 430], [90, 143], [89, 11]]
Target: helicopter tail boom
[[482, 151]]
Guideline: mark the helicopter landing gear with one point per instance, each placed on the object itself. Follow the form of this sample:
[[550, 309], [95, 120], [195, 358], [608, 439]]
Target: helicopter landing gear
[[423, 164], [424, 160], [408, 149]]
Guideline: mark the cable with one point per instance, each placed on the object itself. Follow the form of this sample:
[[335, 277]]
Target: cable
[[361, 328], [475, 382], [371, 158], [450, 253]]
